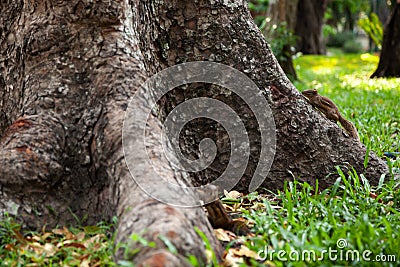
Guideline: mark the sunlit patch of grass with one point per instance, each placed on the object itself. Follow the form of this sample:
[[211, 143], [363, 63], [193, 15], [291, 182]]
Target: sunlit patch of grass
[[359, 81], [335, 65], [369, 58]]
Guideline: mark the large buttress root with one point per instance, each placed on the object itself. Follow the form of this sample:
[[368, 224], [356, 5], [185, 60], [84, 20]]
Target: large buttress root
[[66, 78]]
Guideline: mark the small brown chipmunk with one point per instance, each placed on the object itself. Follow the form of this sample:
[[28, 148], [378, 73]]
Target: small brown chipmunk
[[327, 107]]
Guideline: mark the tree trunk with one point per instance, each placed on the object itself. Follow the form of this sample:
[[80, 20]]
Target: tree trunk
[[310, 19], [389, 61], [67, 72], [349, 22], [301, 132]]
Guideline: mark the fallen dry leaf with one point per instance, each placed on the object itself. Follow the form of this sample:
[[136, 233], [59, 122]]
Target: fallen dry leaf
[[224, 235], [244, 251], [232, 194], [84, 263]]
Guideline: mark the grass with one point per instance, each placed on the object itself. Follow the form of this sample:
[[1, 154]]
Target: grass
[[351, 220], [356, 223]]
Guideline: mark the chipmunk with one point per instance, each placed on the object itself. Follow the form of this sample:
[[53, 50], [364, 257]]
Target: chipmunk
[[327, 107], [219, 218]]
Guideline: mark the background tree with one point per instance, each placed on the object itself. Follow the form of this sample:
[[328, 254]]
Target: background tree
[[277, 20], [389, 61], [309, 22], [345, 13], [67, 72], [343, 16], [278, 28]]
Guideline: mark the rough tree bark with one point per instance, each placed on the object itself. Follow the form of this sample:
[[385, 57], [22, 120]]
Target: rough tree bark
[[389, 61], [310, 16], [67, 72], [307, 144]]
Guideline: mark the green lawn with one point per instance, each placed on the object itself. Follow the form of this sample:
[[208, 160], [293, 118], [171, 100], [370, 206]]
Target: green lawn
[[349, 224]]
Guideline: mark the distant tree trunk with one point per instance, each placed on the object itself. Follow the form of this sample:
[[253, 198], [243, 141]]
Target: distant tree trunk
[[310, 19], [284, 11], [349, 22], [67, 72], [389, 61]]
